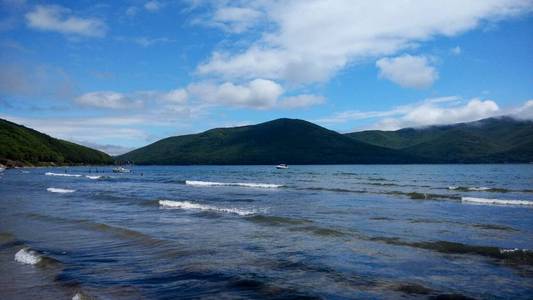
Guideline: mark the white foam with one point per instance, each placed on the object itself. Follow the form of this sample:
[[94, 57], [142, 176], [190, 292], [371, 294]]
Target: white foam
[[503, 251], [496, 201], [58, 190], [27, 256], [186, 205], [243, 184], [94, 177], [81, 296], [61, 174], [479, 189], [77, 296]]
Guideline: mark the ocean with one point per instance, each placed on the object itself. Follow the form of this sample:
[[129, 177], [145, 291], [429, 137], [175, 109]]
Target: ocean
[[255, 232]]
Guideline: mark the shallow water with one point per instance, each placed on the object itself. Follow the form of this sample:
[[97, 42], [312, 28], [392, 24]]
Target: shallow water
[[241, 232]]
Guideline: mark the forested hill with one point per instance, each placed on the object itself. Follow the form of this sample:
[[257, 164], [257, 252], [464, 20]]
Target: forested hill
[[288, 141], [22, 146], [492, 140]]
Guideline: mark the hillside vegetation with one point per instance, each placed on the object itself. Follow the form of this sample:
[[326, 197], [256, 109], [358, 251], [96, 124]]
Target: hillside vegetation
[[20, 145], [279, 141], [493, 140]]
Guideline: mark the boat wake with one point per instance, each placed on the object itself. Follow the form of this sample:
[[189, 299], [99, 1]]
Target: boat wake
[[187, 205], [495, 201], [242, 184], [62, 174], [58, 190]]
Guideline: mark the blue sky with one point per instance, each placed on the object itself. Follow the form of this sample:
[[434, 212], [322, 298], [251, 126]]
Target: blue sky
[[121, 74]]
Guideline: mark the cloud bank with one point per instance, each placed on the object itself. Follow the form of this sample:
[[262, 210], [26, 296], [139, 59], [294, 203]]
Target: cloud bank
[[60, 19], [310, 41]]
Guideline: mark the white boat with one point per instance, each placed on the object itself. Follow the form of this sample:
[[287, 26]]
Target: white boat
[[120, 170], [282, 166]]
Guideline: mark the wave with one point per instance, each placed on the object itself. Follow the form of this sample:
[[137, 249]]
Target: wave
[[242, 184], [513, 256], [58, 190], [335, 190], [81, 296], [294, 224], [94, 177], [62, 174], [495, 201], [494, 227], [423, 196], [479, 189], [186, 205], [28, 256]]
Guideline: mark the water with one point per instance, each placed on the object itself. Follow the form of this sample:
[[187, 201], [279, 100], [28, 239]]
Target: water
[[241, 232]]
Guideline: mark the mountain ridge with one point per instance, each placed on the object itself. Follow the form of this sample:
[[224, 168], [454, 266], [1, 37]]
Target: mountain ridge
[[499, 139], [282, 140]]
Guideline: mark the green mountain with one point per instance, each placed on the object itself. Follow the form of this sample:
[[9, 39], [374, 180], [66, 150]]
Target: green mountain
[[24, 146], [280, 141], [494, 140]]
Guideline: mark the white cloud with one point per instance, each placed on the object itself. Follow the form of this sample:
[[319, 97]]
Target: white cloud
[[435, 111], [113, 128], [408, 71], [258, 93], [107, 99], [525, 111], [132, 11], [135, 100], [431, 113], [456, 50], [175, 96], [232, 19], [146, 41], [310, 40], [152, 6], [60, 19], [299, 101]]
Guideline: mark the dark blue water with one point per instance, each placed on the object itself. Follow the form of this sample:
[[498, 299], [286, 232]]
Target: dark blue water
[[254, 232]]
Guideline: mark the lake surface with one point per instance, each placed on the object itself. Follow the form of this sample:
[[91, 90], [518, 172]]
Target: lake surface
[[254, 232]]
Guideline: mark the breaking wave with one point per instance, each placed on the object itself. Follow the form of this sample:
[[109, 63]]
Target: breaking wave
[[243, 184], [62, 174], [495, 201], [58, 190], [186, 205], [27, 256], [478, 189], [94, 176]]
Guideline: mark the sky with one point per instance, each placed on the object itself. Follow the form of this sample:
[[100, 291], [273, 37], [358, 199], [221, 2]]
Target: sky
[[117, 75]]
